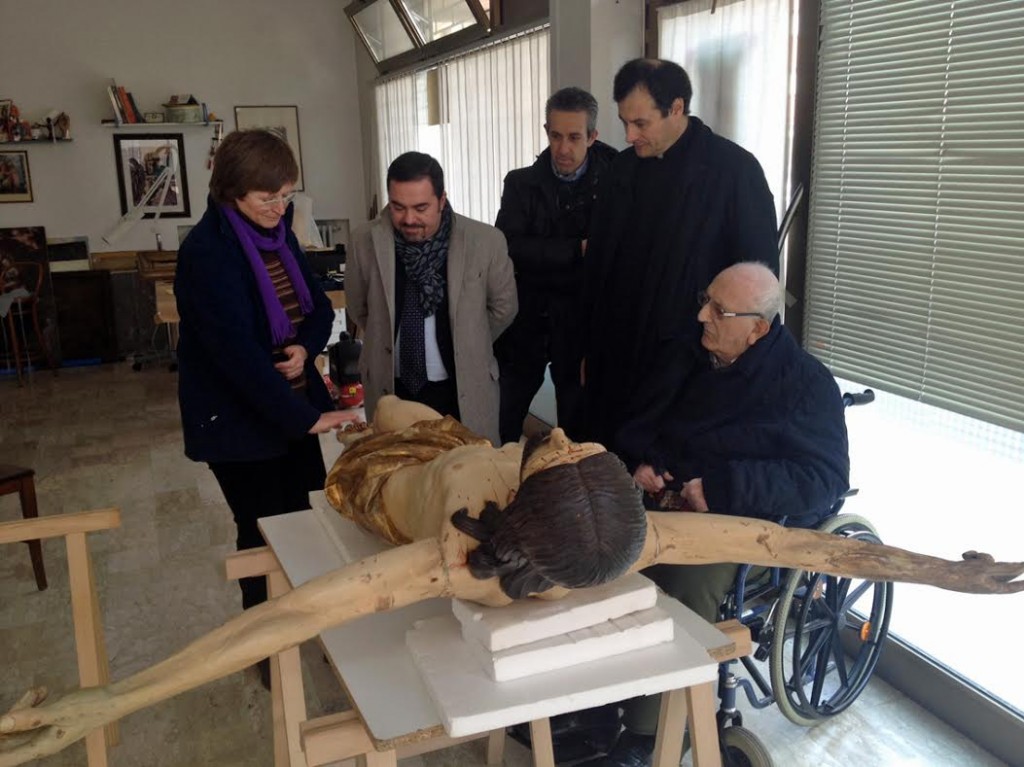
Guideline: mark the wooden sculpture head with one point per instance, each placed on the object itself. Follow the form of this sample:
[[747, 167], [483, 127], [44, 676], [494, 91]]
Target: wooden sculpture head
[[577, 520]]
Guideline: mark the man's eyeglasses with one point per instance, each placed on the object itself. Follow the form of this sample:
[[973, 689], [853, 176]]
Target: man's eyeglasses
[[703, 299], [275, 201]]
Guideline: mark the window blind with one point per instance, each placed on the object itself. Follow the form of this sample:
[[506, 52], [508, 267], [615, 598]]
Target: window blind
[[916, 240], [740, 61]]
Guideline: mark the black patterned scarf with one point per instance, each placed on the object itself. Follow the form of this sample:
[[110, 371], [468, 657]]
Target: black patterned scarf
[[424, 263]]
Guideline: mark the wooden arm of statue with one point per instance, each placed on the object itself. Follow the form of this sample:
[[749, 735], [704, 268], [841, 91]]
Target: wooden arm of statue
[[536, 536]]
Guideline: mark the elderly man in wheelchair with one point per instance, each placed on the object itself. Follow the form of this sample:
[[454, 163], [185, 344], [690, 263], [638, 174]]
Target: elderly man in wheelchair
[[758, 431]]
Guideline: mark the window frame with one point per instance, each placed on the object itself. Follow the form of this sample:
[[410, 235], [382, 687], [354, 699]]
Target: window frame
[[422, 49]]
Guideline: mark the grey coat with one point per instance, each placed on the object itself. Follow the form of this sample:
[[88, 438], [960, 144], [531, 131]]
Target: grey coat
[[481, 304]]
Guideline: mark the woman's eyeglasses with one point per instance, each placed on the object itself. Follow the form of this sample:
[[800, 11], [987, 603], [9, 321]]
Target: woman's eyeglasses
[[275, 201]]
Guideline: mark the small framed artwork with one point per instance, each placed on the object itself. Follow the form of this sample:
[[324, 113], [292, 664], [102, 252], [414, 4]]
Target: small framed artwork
[[15, 181], [283, 121], [150, 160]]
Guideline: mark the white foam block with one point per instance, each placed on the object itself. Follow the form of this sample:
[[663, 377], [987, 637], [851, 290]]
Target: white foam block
[[530, 620], [605, 640], [470, 702]]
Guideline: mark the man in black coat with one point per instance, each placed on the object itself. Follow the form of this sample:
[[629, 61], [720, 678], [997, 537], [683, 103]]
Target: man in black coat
[[674, 211], [545, 216], [757, 431]]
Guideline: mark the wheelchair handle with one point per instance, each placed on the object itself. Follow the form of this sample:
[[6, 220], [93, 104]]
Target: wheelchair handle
[[858, 398]]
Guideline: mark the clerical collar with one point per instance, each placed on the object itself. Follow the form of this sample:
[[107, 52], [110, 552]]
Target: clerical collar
[[576, 175], [679, 146]]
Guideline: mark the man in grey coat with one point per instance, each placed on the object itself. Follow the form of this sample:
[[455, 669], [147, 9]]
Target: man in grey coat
[[431, 291]]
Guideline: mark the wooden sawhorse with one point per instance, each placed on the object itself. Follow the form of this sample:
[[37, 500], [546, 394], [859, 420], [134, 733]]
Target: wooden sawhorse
[[332, 738], [90, 645], [299, 742]]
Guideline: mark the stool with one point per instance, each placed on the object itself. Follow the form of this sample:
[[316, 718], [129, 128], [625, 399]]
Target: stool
[[19, 479]]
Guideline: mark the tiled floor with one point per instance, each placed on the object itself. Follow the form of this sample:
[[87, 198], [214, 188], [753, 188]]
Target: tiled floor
[[106, 436]]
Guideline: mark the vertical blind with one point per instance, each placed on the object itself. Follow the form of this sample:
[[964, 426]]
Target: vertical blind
[[916, 241], [491, 119], [740, 61]]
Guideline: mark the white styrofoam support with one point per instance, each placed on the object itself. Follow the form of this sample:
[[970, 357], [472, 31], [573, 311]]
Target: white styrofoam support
[[470, 702], [619, 635], [530, 620]]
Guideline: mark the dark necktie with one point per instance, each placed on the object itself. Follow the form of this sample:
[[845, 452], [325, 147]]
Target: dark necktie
[[412, 355]]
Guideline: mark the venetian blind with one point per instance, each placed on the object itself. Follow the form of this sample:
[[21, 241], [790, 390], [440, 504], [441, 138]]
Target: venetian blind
[[916, 242]]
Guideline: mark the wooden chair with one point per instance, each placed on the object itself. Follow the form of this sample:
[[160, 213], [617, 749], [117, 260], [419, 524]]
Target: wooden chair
[[90, 644], [20, 480]]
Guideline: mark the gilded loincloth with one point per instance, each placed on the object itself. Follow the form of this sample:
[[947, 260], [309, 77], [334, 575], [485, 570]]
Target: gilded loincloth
[[355, 483]]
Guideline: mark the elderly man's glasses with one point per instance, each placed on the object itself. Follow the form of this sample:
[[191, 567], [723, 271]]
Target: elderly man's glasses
[[703, 299], [275, 201]]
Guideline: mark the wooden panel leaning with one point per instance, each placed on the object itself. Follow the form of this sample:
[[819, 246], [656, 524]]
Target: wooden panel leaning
[[90, 644]]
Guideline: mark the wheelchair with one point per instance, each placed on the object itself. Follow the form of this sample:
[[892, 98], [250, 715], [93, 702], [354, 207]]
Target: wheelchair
[[822, 637]]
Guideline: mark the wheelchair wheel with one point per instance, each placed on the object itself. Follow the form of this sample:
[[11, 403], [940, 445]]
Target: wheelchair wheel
[[742, 748], [813, 675]]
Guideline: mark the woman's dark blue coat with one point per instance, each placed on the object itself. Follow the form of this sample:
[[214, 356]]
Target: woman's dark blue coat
[[234, 405]]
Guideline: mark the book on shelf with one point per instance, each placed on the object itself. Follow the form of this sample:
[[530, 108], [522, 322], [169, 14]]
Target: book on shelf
[[126, 107], [115, 103], [139, 117]]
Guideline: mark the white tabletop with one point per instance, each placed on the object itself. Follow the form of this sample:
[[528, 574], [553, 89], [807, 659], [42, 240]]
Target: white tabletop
[[385, 685]]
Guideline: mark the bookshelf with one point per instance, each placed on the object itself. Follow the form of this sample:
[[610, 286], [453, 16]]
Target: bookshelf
[[5, 144]]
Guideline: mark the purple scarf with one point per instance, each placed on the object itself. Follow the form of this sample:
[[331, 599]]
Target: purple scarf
[[281, 328]]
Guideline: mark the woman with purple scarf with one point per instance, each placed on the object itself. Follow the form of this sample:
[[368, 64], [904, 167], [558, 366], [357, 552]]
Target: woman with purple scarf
[[253, 320]]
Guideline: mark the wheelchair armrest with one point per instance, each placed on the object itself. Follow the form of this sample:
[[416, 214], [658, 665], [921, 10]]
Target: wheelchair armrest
[[858, 398]]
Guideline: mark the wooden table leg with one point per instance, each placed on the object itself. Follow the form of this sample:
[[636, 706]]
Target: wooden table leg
[[289, 697], [379, 759], [541, 744], [700, 701], [496, 746], [90, 645], [29, 510], [668, 745]]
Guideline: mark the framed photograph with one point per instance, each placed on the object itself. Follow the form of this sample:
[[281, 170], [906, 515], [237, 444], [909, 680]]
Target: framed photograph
[[15, 181], [143, 161], [284, 121]]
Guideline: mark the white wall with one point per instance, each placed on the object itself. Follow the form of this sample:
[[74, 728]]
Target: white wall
[[590, 40], [59, 54]]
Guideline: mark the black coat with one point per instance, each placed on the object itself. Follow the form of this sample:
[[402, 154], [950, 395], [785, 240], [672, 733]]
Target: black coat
[[767, 434], [716, 210], [234, 405], [544, 220]]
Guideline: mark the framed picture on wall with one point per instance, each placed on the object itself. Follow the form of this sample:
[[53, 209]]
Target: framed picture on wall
[[143, 162], [15, 181], [284, 121]]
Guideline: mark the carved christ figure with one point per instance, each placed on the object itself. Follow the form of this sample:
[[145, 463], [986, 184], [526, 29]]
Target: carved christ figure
[[483, 524]]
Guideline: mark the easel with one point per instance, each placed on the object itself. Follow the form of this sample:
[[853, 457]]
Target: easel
[[91, 647]]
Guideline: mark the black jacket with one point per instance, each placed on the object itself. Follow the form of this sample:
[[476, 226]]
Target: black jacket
[[767, 434], [717, 210], [234, 405], [545, 219]]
